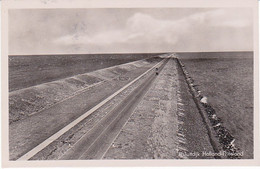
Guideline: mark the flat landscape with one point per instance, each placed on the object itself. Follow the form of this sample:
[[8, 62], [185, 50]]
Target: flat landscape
[[226, 79], [138, 107]]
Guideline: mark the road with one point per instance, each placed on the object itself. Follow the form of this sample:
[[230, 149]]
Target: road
[[27, 135], [148, 116], [94, 144]]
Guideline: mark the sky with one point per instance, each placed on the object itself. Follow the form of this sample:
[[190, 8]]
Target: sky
[[129, 30]]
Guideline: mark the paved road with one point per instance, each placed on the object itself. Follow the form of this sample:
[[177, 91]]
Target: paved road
[[154, 117], [26, 134], [94, 144], [165, 125]]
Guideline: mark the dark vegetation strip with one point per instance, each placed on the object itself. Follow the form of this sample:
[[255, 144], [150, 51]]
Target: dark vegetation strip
[[210, 134], [193, 128], [212, 122]]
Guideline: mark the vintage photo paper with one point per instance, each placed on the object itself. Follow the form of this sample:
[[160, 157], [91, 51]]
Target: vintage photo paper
[[129, 83]]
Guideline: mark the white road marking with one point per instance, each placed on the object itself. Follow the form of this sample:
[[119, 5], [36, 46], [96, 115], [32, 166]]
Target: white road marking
[[232, 142], [73, 95], [182, 138], [182, 135], [122, 128], [182, 149], [181, 109], [182, 141], [181, 114], [49, 140]]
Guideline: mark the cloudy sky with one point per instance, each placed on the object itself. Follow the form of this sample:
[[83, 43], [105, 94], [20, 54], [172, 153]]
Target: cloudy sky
[[61, 31]]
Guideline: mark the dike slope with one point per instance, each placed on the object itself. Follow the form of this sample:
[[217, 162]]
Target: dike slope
[[32, 100]]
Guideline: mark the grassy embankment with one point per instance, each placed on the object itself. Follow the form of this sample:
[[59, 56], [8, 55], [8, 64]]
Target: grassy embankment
[[31, 70], [31, 100]]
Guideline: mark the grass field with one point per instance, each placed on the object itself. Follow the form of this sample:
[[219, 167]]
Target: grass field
[[30, 70], [227, 80]]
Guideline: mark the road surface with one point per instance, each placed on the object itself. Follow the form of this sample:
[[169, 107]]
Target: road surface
[[89, 125]]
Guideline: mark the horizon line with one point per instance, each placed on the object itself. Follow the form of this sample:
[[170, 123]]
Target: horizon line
[[129, 53]]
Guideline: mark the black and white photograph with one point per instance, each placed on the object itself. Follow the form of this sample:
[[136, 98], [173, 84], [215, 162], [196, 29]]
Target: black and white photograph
[[172, 83]]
